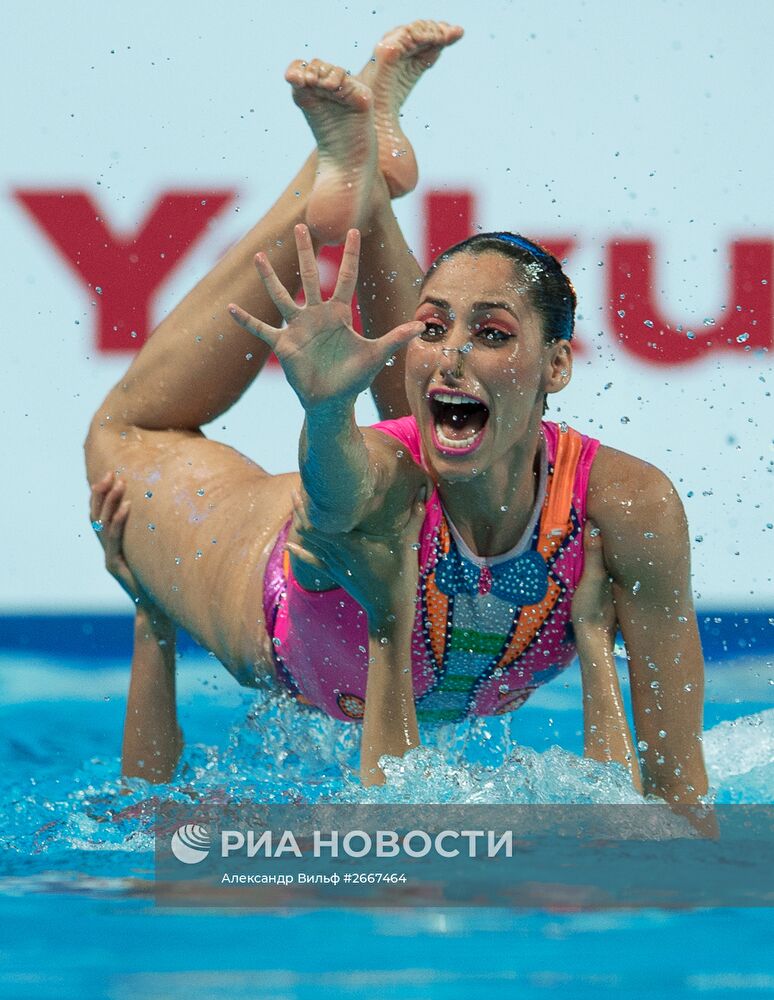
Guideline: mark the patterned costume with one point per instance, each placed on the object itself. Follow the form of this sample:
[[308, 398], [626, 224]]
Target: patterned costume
[[487, 631]]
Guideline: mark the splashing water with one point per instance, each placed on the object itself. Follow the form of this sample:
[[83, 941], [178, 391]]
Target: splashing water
[[62, 797]]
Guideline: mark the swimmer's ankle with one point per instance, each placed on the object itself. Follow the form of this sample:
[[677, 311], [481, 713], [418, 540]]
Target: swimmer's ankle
[[379, 211]]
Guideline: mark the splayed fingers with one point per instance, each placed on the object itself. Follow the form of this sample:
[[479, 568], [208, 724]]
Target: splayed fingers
[[346, 282], [323, 358], [109, 513]]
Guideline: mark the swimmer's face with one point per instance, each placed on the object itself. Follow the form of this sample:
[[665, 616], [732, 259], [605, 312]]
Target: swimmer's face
[[473, 408]]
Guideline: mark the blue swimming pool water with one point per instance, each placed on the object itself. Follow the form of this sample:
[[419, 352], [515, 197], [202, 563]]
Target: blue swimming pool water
[[75, 918]]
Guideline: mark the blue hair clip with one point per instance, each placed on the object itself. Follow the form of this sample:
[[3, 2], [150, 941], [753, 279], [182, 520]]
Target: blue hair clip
[[536, 251], [519, 241]]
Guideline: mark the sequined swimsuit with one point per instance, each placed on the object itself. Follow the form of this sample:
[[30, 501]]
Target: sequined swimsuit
[[487, 632]]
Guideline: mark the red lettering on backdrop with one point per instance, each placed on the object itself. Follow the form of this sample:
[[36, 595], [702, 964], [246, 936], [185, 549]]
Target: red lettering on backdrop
[[448, 217], [646, 333], [127, 269]]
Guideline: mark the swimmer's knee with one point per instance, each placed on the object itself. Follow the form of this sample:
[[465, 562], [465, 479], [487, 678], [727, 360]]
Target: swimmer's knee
[[94, 450], [101, 446]]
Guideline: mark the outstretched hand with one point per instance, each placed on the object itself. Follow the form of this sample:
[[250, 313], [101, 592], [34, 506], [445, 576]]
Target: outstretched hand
[[324, 359]]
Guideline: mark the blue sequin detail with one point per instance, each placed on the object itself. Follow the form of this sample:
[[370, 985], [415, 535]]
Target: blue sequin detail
[[520, 581]]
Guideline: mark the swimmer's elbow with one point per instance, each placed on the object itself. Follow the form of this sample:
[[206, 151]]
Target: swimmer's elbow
[[334, 521]]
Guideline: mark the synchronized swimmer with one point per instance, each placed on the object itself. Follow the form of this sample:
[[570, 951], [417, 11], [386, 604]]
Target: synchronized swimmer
[[463, 537]]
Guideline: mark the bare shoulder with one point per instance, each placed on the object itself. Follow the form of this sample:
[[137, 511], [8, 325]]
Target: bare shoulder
[[643, 523], [627, 492]]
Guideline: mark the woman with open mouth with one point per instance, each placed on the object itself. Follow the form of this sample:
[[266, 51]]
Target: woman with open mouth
[[434, 566]]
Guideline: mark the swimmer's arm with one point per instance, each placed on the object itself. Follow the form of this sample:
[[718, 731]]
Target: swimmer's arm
[[153, 740], [606, 733], [335, 467], [381, 573], [352, 476], [647, 550], [390, 715]]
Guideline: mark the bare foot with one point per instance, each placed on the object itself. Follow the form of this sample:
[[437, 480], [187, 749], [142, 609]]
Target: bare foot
[[339, 109], [399, 60]]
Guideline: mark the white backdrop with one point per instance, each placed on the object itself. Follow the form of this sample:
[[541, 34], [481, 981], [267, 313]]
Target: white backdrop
[[590, 123]]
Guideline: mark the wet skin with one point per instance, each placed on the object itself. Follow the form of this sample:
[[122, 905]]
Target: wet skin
[[481, 301]]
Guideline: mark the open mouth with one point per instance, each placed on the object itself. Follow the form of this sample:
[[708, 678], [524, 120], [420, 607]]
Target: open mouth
[[458, 421]]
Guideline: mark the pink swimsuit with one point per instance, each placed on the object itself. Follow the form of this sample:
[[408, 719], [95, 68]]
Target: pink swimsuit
[[487, 632]]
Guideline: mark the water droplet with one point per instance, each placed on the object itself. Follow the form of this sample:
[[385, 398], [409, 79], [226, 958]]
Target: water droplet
[[504, 507], [276, 641], [636, 587], [198, 554], [688, 688], [624, 420], [662, 734], [648, 323], [642, 745], [148, 494], [98, 290], [742, 338], [200, 492], [390, 361]]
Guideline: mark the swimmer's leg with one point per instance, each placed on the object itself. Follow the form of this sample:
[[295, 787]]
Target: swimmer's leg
[[349, 191], [202, 515], [339, 110], [387, 293], [356, 122], [390, 276], [399, 60], [198, 362]]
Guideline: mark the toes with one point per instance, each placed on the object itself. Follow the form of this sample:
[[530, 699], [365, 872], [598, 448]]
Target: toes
[[329, 77], [426, 34], [295, 74], [327, 81]]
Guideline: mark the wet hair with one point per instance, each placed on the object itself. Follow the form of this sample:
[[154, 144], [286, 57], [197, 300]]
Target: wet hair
[[550, 290]]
